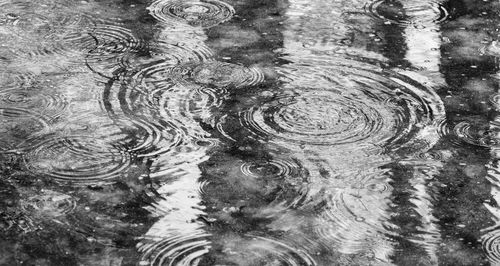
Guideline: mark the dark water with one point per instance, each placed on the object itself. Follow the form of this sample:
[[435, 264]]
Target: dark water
[[249, 132]]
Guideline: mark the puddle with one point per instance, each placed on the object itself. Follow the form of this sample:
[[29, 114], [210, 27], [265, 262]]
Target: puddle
[[238, 132]]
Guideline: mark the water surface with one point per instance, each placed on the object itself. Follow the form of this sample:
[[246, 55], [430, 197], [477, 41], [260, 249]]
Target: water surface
[[241, 132]]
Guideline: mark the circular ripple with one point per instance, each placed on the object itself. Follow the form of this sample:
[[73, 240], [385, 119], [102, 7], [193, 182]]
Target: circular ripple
[[495, 101], [112, 45], [16, 127], [491, 246], [50, 203], [179, 250], [258, 250], [492, 49], [310, 118], [50, 104], [475, 133], [204, 13], [353, 218], [78, 159], [269, 169], [156, 71], [219, 74], [418, 13], [160, 122], [185, 106], [346, 103]]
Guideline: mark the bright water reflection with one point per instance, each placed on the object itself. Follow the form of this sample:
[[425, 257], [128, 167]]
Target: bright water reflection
[[235, 132]]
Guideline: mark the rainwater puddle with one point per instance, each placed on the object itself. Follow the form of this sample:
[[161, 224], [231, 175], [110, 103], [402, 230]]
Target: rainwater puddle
[[241, 132]]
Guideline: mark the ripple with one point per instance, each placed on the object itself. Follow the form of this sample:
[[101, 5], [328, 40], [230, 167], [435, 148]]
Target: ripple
[[263, 169], [417, 13], [495, 101], [185, 106], [50, 104], [78, 159], [258, 250], [492, 49], [204, 13], [49, 203], [219, 74], [475, 133], [491, 246], [310, 119], [16, 127], [165, 119], [430, 156], [350, 103], [113, 43], [180, 51], [178, 250], [354, 218], [156, 71]]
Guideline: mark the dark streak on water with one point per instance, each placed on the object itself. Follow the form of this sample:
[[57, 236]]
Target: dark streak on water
[[237, 132]]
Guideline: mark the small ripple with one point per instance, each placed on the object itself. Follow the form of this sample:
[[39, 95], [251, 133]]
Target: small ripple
[[156, 70], [491, 246], [178, 250], [354, 221], [495, 101], [203, 13], [17, 125], [475, 133], [50, 104], [269, 168], [49, 203], [416, 13], [492, 49], [219, 74], [180, 52], [164, 118], [430, 156], [112, 43], [78, 159], [9, 81], [185, 106], [258, 250]]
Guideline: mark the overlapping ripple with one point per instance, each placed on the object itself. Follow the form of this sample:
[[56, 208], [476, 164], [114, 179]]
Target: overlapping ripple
[[17, 125], [49, 203], [112, 45], [416, 13], [165, 118], [156, 71], [269, 168], [491, 246], [357, 213], [178, 250], [335, 101], [219, 74], [50, 104], [203, 13], [474, 131], [78, 160], [258, 250]]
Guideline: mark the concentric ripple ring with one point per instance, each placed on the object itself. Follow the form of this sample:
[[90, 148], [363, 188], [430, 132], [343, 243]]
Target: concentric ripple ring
[[78, 160], [205, 13]]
